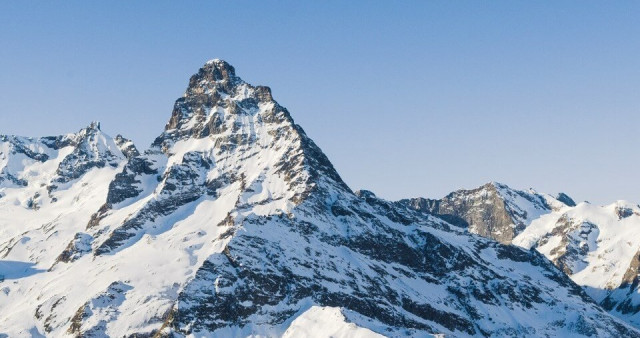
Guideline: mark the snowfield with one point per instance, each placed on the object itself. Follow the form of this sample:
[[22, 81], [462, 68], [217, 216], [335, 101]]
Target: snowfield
[[598, 247]]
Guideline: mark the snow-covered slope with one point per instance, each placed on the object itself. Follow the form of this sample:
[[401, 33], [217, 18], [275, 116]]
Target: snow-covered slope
[[599, 247], [321, 322], [234, 223], [49, 187], [493, 210]]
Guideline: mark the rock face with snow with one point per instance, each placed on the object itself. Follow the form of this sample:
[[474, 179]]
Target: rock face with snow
[[493, 210], [598, 247], [234, 223], [48, 186], [73, 155]]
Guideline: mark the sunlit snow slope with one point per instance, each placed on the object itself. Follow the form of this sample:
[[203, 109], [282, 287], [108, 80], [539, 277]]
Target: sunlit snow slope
[[599, 247]]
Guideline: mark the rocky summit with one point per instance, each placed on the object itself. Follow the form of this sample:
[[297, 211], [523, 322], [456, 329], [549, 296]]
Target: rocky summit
[[493, 210], [234, 223]]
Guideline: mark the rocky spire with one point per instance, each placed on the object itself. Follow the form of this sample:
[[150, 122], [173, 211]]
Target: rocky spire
[[215, 71], [213, 92], [225, 131], [220, 105]]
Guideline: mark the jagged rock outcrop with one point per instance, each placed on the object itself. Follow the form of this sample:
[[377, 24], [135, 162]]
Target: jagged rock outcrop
[[126, 146], [91, 149], [565, 199], [493, 210]]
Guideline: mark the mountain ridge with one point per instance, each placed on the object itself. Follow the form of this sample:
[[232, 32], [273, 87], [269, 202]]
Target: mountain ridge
[[492, 210], [592, 244], [235, 223]]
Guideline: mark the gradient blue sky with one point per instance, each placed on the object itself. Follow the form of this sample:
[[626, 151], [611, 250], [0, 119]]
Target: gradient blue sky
[[406, 98]]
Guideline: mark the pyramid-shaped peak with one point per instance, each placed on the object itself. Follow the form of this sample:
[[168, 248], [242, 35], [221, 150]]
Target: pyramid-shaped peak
[[225, 116], [217, 70], [89, 131]]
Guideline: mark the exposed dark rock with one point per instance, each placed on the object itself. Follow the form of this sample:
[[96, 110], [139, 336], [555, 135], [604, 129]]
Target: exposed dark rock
[[564, 198], [489, 211], [623, 212], [80, 245], [126, 146]]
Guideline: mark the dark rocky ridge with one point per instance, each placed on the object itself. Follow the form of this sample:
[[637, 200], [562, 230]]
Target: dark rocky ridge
[[387, 252]]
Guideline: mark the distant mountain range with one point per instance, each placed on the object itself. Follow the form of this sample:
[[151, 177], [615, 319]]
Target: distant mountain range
[[597, 246], [234, 223]]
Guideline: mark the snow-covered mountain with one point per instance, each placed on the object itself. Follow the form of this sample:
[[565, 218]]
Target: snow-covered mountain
[[234, 223], [48, 186], [597, 246]]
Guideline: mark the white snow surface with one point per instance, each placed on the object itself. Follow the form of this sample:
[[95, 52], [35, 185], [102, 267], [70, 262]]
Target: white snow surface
[[604, 245], [527, 205], [325, 322], [610, 248]]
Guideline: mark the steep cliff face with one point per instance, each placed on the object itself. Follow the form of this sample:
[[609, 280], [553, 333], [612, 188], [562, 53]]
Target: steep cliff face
[[493, 210], [234, 223]]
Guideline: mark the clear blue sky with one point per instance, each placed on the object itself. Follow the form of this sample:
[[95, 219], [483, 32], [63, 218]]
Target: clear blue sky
[[407, 98]]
